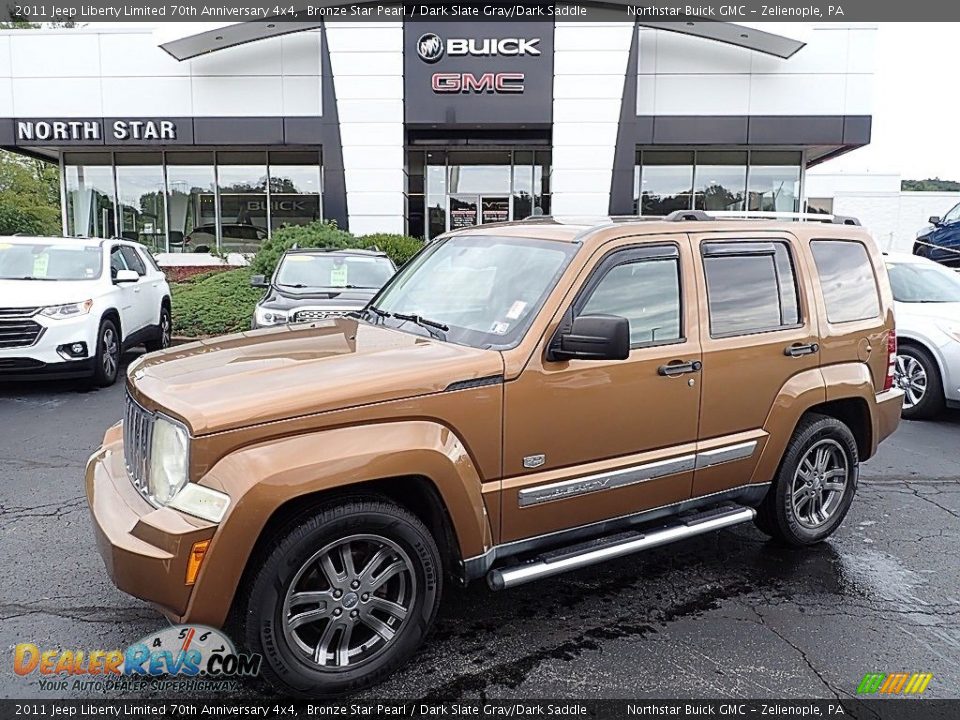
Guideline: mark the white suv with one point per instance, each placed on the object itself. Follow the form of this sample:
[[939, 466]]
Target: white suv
[[69, 307]]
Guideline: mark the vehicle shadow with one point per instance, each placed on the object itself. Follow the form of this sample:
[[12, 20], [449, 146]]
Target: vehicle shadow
[[36, 387]]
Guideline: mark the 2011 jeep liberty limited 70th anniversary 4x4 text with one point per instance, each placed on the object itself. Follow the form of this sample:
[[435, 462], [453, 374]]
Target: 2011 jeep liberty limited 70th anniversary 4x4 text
[[519, 400]]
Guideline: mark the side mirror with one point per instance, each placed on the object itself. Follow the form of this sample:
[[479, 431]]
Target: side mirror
[[594, 337], [126, 276], [258, 281], [935, 220]]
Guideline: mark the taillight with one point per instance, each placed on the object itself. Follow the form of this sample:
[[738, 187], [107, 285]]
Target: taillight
[[891, 359]]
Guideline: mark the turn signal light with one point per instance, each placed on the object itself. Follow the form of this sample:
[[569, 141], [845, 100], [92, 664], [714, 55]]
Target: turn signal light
[[891, 359], [197, 552]]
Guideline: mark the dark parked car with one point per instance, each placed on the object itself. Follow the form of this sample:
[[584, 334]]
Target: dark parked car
[[940, 240], [317, 283]]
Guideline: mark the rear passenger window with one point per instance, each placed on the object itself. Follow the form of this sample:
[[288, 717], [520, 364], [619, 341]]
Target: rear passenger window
[[647, 293], [751, 287], [846, 279]]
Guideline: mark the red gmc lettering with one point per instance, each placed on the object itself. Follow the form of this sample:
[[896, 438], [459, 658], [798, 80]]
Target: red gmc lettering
[[470, 83]]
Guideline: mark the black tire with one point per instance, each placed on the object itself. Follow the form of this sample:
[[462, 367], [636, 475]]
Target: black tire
[[797, 524], [932, 400], [107, 356], [164, 332], [262, 613]]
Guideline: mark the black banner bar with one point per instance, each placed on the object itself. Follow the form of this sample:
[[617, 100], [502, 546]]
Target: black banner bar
[[887, 709], [79, 11]]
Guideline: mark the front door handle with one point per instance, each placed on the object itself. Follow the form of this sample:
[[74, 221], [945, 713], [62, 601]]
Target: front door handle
[[679, 367], [799, 349]]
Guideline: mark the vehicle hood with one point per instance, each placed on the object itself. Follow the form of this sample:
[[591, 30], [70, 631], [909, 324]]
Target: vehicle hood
[[40, 293], [279, 373], [347, 299], [908, 312]]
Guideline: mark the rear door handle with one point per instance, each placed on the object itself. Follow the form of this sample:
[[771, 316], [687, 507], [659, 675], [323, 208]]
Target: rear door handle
[[798, 349], [679, 367]]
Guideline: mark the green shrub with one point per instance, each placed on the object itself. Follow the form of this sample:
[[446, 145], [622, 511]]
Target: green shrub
[[399, 248], [323, 234], [316, 234], [215, 304]]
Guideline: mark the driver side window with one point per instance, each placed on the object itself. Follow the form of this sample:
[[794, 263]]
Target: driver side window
[[647, 293], [116, 262], [953, 214]]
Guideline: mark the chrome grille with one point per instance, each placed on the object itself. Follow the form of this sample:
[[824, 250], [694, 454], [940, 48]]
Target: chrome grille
[[16, 330], [311, 315], [21, 312], [137, 438]]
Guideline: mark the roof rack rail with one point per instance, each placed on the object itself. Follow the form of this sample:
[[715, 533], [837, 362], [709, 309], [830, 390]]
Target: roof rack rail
[[701, 216]]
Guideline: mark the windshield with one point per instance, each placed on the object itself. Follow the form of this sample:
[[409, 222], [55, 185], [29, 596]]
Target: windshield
[[484, 290], [923, 283], [333, 271], [49, 261]]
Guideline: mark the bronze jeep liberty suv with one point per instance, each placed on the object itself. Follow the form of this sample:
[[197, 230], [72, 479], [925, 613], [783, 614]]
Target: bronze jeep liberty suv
[[519, 400]]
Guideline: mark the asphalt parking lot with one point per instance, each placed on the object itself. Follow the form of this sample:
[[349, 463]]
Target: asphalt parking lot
[[723, 616]]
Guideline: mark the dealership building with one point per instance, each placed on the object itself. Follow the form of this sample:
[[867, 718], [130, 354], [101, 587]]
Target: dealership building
[[187, 137]]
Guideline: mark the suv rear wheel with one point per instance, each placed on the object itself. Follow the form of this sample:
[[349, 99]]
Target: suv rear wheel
[[815, 485], [164, 332], [343, 597]]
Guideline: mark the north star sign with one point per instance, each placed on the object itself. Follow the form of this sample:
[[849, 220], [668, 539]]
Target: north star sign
[[92, 130]]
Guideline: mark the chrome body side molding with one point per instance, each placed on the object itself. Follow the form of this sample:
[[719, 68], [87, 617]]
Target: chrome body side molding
[[605, 481], [636, 474]]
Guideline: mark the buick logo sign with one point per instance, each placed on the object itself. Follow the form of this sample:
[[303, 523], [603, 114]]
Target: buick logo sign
[[430, 47]]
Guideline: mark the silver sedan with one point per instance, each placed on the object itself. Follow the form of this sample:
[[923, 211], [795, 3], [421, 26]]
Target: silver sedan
[[927, 308]]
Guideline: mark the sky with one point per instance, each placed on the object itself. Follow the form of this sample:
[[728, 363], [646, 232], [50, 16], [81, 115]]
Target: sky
[[915, 111], [915, 118]]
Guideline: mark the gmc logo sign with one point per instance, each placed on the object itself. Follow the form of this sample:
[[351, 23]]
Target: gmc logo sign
[[486, 83]]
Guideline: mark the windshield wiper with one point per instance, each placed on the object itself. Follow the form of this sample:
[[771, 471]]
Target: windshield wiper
[[381, 314], [436, 329]]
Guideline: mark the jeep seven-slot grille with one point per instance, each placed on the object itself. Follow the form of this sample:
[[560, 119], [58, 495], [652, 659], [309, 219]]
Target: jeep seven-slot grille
[[137, 438], [311, 315], [16, 327]]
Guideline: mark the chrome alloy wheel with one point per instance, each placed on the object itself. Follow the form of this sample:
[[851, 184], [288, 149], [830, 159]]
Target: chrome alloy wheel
[[911, 378], [349, 601], [819, 483], [165, 330], [111, 352]]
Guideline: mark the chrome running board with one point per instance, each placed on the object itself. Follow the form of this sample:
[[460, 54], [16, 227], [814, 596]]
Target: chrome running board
[[597, 551]]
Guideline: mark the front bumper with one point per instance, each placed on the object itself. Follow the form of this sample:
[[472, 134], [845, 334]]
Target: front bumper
[[145, 549], [41, 359], [950, 362]]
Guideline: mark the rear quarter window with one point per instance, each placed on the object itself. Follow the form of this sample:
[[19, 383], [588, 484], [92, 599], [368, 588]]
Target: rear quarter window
[[847, 280]]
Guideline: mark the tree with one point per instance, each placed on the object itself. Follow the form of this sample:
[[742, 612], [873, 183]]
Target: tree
[[930, 185], [29, 196]]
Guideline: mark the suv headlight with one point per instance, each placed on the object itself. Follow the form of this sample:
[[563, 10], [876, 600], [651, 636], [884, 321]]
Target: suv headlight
[[169, 459], [267, 316], [69, 310]]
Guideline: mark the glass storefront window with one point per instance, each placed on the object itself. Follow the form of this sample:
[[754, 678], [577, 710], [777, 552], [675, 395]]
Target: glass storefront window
[[242, 185], [294, 188], [142, 210], [774, 181], [721, 178], [523, 194], [191, 198], [665, 181], [481, 171], [88, 179]]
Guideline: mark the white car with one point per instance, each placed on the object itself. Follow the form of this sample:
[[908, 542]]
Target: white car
[[927, 308], [69, 307]]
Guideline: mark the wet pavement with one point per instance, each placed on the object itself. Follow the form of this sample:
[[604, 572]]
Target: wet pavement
[[721, 616]]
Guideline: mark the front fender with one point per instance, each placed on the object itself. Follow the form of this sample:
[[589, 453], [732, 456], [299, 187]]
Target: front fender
[[260, 478]]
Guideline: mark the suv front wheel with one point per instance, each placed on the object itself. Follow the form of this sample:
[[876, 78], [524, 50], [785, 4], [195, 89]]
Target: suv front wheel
[[343, 597], [815, 485], [107, 357]]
